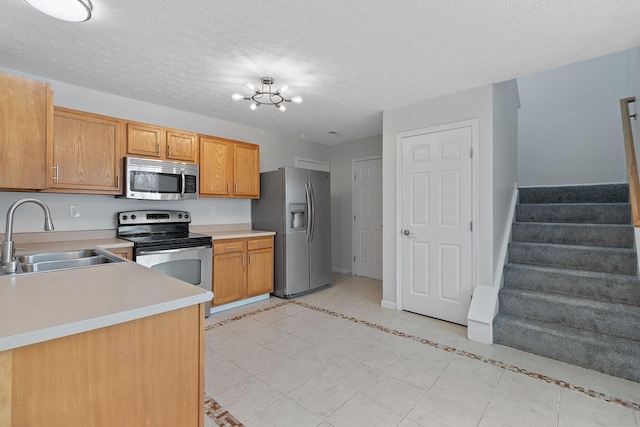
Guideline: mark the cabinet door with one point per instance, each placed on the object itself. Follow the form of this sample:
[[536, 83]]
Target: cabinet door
[[246, 169], [85, 152], [182, 146], [215, 166], [260, 272], [126, 253], [228, 277], [144, 140], [25, 113]]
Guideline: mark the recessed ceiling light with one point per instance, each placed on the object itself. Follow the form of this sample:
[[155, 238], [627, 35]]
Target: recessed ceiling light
[[67, 10]]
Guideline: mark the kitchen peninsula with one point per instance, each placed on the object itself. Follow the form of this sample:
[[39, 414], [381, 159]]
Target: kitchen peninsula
[[114, 344]]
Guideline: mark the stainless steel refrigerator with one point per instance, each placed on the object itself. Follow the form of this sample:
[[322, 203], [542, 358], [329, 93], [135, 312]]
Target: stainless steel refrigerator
[[296, 204]]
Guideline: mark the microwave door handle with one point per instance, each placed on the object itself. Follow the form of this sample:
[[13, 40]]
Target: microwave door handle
[[184, 183]]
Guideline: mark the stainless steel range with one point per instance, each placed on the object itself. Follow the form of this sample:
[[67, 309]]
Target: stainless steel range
[[162, 242]]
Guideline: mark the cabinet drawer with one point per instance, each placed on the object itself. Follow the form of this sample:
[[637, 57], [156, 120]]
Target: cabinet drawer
[[229, 246], [260, 243]]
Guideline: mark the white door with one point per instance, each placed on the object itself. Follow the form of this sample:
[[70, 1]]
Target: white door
[[437, 254], [367, 218]]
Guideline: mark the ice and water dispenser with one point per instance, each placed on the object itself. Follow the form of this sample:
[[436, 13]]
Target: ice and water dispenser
[[298, 216]]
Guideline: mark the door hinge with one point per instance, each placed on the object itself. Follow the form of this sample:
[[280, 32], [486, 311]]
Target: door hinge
[[354, 258], [471, 152], [354, 217], [471, 226]]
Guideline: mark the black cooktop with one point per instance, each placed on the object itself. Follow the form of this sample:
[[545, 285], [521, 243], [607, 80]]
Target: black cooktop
[[159, 229]]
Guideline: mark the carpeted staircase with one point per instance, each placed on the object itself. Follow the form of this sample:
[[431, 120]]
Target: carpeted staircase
[[571, 290]]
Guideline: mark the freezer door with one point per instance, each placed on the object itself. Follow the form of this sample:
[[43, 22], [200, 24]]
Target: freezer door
[[320, 244], [296, 245]]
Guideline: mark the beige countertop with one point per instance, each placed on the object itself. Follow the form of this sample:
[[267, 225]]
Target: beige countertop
[[39, 307]]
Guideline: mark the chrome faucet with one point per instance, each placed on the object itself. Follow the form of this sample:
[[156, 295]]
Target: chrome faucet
[[8, 261]]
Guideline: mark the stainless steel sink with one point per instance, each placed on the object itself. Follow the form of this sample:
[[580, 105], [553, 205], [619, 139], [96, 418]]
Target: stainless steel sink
[[63, 260]]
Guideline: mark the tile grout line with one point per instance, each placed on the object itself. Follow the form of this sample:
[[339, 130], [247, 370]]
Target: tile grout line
[[507, 367]]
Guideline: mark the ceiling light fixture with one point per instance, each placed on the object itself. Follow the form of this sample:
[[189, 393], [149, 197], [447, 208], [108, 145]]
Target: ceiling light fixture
[[268, 96], [67, 10]]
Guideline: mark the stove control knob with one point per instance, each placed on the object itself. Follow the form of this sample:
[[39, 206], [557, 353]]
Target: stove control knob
[[124, 217], [180, 216], [186, 216], [133, 217]]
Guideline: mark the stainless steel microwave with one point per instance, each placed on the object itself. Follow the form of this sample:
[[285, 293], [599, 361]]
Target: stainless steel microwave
[[150, 179]]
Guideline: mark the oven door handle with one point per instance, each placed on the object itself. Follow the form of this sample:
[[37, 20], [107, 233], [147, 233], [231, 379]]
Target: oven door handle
[[184, 183], [143, 252]]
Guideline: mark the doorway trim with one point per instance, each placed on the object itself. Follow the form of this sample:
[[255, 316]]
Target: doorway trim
[[354, 203], [474, 124]]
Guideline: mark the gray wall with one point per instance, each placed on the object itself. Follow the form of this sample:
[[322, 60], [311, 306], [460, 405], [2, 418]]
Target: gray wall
[[341, 159], [569, 128], [469, 104], [98, 212]]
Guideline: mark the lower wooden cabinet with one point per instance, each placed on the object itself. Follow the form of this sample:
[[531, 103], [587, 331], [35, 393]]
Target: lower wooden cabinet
[[242, 268]]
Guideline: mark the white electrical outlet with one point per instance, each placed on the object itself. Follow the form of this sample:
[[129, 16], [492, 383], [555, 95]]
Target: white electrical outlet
[[74, 211], [212, 210]]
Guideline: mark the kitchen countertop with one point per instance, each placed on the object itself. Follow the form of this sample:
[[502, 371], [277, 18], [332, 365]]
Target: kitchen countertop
[[38, 307]]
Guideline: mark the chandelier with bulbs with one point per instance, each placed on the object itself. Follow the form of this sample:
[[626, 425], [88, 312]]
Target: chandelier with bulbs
[[266, 95]]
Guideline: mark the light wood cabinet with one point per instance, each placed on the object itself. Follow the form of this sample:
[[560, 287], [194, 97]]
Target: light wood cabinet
[[144, 140], [126, 253], [26, 117], [260, 267], [85, 153], [242, 268], [122, 375], [229, 168]]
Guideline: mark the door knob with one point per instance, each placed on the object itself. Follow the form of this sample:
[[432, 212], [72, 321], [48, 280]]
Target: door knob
[[407, 233]]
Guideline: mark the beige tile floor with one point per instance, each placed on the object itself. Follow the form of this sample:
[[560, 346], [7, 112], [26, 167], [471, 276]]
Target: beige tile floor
[[336, 358]]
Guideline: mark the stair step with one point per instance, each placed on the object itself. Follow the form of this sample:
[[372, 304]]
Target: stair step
[[590, 258], [604, 353], [609, 235], [584, 213], [618, 320], [596, 286], [607, 193]]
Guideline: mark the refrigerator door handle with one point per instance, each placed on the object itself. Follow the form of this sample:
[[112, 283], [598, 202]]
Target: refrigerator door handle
[[307, 194], [313, 211]]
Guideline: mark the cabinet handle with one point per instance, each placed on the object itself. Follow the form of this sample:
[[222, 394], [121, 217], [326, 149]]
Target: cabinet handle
[[55, 177], [242, 259], [158, 148], [236, 188], [118, 182], [168, 150], [228, 188]]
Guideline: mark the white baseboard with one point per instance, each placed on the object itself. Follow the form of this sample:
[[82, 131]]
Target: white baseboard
[[238, 303], [389, 304], [340, 270]]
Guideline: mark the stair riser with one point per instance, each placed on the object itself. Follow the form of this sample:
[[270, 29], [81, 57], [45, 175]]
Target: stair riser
[[617, 261], [616, 359], [576, 214], [612, 319], [615, 289], [612, 193], [588, 235]]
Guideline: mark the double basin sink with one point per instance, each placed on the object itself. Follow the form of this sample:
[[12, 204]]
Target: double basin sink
[[64, 260]]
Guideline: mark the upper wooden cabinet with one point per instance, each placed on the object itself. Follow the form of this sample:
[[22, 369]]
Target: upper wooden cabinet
[[85, 153], [161, 143], [26, 114], [229, 168]]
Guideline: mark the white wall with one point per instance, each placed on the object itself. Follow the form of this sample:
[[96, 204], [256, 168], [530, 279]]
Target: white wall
[[340, 157], [465, 105], [505, 163], [569, 129], [98, 212]]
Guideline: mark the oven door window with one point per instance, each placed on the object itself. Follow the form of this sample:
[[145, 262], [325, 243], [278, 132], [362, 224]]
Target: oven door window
[[188, 270], [154, 182]]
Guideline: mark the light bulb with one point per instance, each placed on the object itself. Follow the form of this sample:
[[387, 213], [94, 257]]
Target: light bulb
[[237, 97], [250, 86], [68, 10], [253, 106], [296, 99], [283, 89], [282, 108]]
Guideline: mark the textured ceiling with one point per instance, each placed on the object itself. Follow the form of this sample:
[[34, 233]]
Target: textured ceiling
[[349, 60]]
